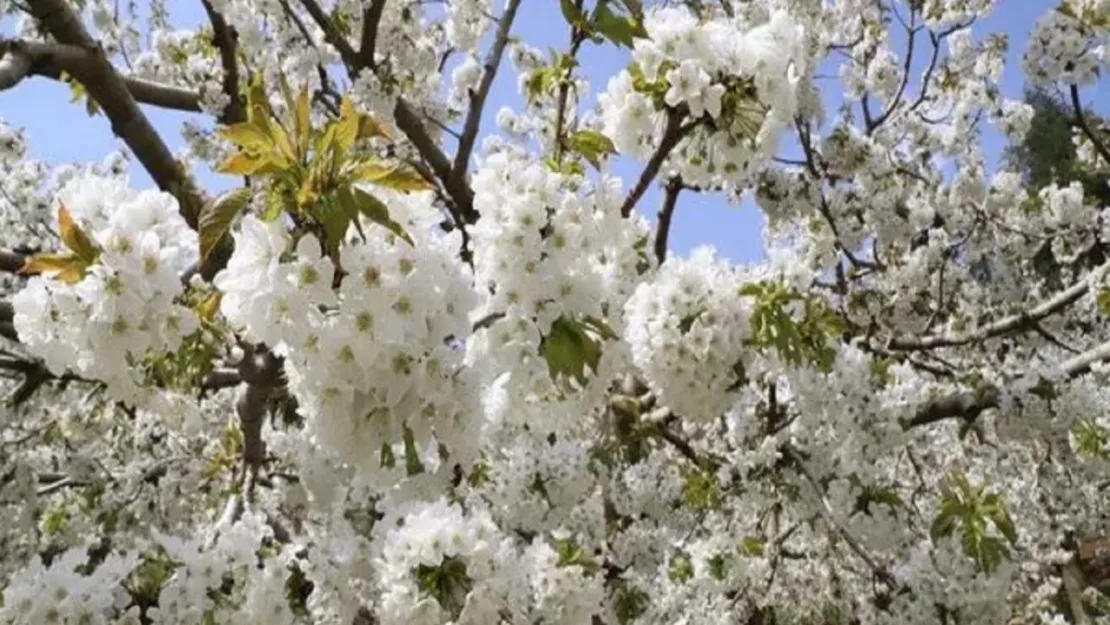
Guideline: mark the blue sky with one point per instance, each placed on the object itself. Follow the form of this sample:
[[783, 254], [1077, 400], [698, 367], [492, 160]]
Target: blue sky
[[60, 131]]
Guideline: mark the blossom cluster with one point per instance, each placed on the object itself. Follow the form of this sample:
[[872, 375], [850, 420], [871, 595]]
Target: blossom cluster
[[370, 347], [124, 307], [736, 82], [498, 399]]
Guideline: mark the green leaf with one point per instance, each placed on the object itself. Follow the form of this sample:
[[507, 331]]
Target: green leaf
[[682, 570], [574, 15], [77, 91], [1090, 440], [334, 219], [569, 350], [619, 29], [700, 490], [376, 211], [996, 511], [592, 145], [1103, 300], [216, 217], [752, 546]]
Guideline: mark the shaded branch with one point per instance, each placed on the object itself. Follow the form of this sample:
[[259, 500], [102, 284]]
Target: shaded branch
[[11, 261], [478, 98], [827, 513], [261, 374], [666, 212], [371, 18]]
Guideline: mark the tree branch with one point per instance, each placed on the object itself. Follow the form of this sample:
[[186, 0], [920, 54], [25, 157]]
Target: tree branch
[[968, 405], [478, 98], [261, 373], [1081, 121], [226, 40], [1023, 320], [371, 18], [10, 261], [827, 513], [663, 228], [673, 132], [111, 92], [21, 59]]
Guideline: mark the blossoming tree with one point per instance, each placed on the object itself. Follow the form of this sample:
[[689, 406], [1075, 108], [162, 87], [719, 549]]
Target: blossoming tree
[[397, 375]]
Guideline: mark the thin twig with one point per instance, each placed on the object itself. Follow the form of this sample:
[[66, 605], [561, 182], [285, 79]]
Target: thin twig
[[478, 97], [1081, 121], [226, 40], [827, 513], [1023, 320]]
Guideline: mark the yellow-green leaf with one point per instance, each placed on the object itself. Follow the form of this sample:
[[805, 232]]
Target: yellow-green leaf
[[370, 127], [258, 103], [306, 194], [346, 131], [246, 164], [209, 306], [285, 152], [66, 268], [247, 136], [74, 238], [77, 92], [216, 217], [303, 120], [239, 163], [390, 175]]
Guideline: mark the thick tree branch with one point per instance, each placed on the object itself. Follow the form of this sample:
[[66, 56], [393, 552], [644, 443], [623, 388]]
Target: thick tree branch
[[261, 374], [10, 261], [673, 132], [21, 59], [111, 92], [478, 98], [15, 65], [666, 212], [226, 40], [1021, 321], [371, 18]]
